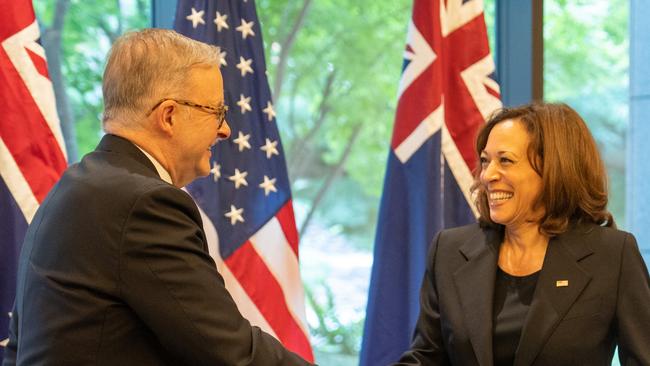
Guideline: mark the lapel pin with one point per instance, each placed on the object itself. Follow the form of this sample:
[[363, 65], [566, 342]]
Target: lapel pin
[[562, 283]]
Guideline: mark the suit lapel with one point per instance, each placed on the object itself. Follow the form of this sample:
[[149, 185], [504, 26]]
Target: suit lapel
[[559, 285], [474, 282]]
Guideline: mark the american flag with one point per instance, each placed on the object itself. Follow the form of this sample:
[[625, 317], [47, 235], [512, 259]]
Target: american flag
[[32, 151], [446, 92], [246, 202]]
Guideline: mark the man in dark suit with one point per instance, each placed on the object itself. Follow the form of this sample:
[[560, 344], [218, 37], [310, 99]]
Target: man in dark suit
[[115, 269]]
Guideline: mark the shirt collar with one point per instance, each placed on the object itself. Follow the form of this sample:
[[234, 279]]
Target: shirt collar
[[162, 172]]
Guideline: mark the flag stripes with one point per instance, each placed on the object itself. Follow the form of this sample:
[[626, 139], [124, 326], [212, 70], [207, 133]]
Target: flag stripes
[[32, 150], [263, 288], [262, 270], [247, 204]]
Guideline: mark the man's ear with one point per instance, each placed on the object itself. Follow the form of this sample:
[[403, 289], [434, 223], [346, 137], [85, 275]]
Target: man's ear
[[166, 117]]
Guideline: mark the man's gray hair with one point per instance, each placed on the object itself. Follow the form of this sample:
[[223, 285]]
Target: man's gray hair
[[148, 65]]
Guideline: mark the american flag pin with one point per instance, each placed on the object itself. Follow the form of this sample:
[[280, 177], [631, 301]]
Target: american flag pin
[[562, 283]]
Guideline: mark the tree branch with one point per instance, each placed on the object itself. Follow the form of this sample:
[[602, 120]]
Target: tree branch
[[52, 43], [297, 155], [286, 46], [333, 175]]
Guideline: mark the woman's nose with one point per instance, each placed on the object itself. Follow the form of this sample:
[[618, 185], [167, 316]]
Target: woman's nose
[[490, 172]]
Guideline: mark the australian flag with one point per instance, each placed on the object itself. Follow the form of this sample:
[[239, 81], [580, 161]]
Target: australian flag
[[446, 92], [32, 151], [246, 201]]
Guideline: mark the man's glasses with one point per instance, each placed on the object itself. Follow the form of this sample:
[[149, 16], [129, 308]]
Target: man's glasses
[[219, 112]]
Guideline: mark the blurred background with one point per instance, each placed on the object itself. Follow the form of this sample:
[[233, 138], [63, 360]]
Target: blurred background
[[334, 68]]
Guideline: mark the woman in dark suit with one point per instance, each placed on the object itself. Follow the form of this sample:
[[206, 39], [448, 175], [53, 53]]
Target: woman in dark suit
[[544, 277]]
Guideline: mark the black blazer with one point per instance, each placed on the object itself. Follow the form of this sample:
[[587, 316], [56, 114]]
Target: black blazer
[[115, 270], [606, 302]]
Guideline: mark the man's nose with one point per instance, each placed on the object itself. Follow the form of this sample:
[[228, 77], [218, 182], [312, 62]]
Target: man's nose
[[224, 131]]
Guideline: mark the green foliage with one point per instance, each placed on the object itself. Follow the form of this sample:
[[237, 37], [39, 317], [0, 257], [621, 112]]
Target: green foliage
[[359, 44], [88, 32], [330, 334], [586, 65]]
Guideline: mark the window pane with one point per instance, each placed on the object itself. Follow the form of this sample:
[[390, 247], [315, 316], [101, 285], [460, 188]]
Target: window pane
[[336, 107], [586, 65], [76, 36]]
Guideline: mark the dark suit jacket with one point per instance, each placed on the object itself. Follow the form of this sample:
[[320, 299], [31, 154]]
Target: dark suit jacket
[[115, 270], [606, 302]]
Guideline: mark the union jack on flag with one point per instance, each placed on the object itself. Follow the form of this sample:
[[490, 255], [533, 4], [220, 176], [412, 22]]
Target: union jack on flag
[[246, 202], [32, 151], [446, 92]]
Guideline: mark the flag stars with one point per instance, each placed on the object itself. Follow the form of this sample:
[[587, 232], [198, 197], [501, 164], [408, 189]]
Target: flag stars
[[244, 65], [222, 57], [220, 21], [244, 103], [196, 18], [215, 171], [239, 178], [246, 29], [268, 185], [242, 141], [235, 214], [270, 148], [270, 113]]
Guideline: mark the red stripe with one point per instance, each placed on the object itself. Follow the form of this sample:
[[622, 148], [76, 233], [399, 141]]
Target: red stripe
[[417, 102], [264, 290], [423, 96], [493, 92], [423, 13], [17, 14], [26, 133], [288, 223], [462, 116], [39, 63]]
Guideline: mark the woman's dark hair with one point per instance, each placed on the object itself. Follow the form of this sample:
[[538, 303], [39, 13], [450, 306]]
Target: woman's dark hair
[[563, 152]]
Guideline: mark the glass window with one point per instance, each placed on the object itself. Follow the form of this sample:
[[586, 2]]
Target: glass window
[[335, 85], [586, 58], [76, 36]]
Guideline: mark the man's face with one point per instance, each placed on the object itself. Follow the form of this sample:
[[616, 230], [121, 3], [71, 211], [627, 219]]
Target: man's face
[[198, 130]]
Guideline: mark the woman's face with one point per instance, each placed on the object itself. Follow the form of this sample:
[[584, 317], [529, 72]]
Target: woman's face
[[511, 184]]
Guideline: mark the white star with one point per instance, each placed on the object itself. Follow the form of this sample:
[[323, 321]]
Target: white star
[[242, 141], [222, 57], [246, 28], [245, 65], [268, 185], [235, 215], [244, 103], [270, 148], [196, 17], [269, 110], [239, 178], [220, 21], [216, 171]]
